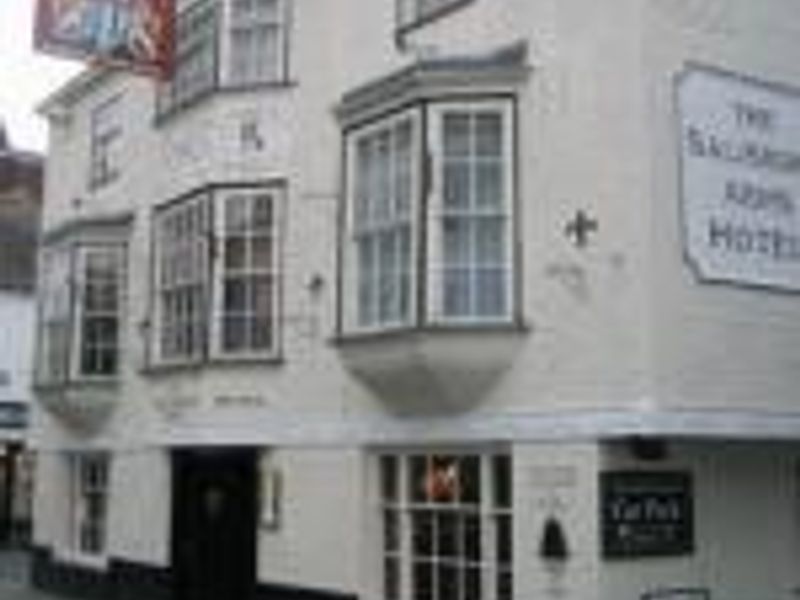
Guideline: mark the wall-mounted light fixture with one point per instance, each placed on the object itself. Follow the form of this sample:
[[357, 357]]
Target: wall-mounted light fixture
[[553, 544]]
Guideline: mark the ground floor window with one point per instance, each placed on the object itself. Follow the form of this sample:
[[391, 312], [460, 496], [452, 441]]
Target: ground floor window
[[447, 523], [89, 502]]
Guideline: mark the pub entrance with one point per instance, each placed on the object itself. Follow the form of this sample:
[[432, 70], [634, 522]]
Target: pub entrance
[[214, 524]]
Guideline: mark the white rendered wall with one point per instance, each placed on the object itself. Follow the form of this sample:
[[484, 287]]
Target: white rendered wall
[[17, 313], [716, 347]]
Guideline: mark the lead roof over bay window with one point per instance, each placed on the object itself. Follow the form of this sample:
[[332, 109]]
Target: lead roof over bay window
[[428, 235]]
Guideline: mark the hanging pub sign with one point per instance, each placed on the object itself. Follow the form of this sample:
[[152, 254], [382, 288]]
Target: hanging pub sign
[[740, 177], [136, 34], [646, 513]]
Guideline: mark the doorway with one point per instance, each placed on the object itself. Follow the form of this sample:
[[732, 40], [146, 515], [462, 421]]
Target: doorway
[[214, 504]]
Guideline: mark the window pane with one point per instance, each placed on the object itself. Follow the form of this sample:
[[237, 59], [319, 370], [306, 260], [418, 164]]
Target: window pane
[[423, 581], [261, 334], [505, 585], [234, 331], [448, 584], [391, 540], [456, 292], [457, 236], [489, 185], [501, 480], [504, 542], [472, 537], [418, 470], [383, 191], [403, 169], [261, 297], [456, 134], [387, 265], [470, 479], [490, 233], [472, 584], [447, 534], [389, 474], [262, 253], [489, 134], [235, 295], [456, 186], [391, 579], [262, 213], [490, 285], [422, 522]]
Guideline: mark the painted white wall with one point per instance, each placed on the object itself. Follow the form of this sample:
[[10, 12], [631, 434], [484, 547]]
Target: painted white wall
[[17, 314], [715, 346]]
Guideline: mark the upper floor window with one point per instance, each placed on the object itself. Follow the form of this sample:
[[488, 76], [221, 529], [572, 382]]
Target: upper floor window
[[416, 12], [106, 137], [80, 307], [257, 41], [226, 43], [436, 248], [382, 229], [217, 263], [194, 68]]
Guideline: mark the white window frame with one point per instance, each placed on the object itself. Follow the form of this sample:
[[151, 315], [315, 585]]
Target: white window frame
[[81, 254], [81, 466], [396, 544], [436, 212], [353, 321], [105, 162], [182, 251], [222, 196], [238, 24]]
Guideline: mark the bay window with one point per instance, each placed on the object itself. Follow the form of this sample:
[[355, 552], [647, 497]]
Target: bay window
[[217, 275], [80, 310], [430, 217], [224, 44], [446, 523]]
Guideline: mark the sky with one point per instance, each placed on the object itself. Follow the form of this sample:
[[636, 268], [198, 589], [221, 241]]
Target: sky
[[26, 77]]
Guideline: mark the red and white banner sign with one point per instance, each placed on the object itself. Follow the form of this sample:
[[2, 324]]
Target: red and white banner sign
[[133, 33]]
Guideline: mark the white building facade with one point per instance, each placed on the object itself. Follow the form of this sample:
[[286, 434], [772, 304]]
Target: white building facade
[[418, 300]]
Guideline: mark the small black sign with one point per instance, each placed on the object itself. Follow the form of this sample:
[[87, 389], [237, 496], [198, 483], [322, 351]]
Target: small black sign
[[646, 513]]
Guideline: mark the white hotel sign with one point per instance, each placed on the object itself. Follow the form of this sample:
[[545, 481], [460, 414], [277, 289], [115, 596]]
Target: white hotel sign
[[740, 159]]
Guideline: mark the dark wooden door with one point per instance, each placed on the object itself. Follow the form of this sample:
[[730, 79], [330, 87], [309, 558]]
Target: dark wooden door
[[214, 524]]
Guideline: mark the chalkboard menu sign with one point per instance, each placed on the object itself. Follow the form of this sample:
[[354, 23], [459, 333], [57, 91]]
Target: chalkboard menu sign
[[646, 513]]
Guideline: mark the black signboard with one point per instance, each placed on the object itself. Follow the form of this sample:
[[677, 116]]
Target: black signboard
[[646, 513]]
